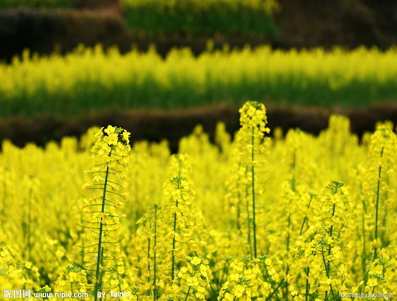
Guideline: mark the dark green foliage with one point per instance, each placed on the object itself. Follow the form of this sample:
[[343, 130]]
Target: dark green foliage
[[190, 18]]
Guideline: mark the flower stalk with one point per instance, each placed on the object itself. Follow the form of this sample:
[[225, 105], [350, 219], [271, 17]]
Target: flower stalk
[[111, 157], [253, 122]]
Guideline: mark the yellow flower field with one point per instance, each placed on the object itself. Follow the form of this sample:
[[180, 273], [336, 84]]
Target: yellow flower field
[[96, 79], [297, 217]]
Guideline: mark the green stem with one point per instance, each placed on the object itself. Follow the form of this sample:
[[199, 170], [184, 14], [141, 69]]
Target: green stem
[[271, 282], [148, 257], [326, 266], [155, 255], [173, 251], [118, 276], [363, 262], [332, 226], [174, 227], [253, 194], [288, 242], [305, 219], [98, 279], [377, 205], [383, 239], [188, 293], [288, 228], [307, 283], [275, 291], [29, 222], [238, 202], [101, 274], [248, 222], [238, 212], [173, 244]]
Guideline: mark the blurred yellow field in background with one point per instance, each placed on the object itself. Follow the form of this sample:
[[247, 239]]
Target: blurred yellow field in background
[[92, 79]]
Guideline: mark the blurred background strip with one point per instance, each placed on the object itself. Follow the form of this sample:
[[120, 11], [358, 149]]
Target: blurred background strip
[[65, 59]]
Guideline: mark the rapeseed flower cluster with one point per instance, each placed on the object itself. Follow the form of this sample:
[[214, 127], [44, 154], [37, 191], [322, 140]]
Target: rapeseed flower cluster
[[252, 148], [245, 283], [102, 261]]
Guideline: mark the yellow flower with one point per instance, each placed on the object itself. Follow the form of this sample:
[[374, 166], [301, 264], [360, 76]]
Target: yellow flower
[[86, 187], [196, 261], [110, 130], [372, 282]]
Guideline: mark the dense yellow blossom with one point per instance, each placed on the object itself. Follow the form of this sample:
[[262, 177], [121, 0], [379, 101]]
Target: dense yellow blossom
[[181, 226]]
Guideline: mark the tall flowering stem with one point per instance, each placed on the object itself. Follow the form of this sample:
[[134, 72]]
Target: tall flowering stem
[[178, 191], [110, 154], [155, 254], [331, 216], [379, 186], [253, 122], [377, 203]]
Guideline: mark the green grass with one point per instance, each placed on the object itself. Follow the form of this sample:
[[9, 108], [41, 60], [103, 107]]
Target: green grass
[[198, 17], [36, 3]]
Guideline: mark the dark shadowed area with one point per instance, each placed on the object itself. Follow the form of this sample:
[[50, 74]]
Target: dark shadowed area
[[156, 125]]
